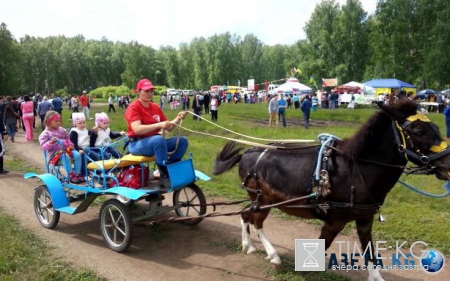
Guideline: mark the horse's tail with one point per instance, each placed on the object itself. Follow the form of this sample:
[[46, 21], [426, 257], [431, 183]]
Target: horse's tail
[[228, 157]]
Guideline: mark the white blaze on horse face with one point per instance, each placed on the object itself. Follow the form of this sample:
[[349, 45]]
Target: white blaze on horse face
[[272, 254], [374, 274], [246, 242]]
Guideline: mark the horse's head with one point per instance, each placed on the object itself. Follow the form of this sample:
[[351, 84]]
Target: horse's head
[[418, 138]]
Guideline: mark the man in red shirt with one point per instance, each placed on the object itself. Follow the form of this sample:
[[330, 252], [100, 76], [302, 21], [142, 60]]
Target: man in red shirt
[[145, 120], [84, 100]]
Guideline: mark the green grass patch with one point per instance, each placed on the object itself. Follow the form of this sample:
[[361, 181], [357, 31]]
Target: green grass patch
[[24, 256], [20, 165]]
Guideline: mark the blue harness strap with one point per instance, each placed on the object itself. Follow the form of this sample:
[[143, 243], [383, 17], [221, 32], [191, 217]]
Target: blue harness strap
[[421, 192], [325, 140]]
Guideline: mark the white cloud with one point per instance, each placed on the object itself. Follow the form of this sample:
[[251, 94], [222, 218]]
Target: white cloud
[[158, 23]]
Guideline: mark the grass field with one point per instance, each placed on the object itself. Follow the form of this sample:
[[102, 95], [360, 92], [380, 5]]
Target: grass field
[[410, 216]]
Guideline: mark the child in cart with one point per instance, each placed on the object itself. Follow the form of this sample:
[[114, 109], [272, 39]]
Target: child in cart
[[102, 136], [48, 140], [80, 137]]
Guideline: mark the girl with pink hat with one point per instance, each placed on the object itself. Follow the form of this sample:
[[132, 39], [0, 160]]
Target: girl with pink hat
[[102, 136]]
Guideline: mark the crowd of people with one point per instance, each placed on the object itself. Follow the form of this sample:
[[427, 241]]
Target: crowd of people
[[145, 121]]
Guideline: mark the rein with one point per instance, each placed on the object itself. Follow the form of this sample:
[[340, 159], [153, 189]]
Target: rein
[[251, 143], [326, 139]]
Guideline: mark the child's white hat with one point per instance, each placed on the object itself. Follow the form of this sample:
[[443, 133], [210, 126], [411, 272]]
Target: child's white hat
[[101, 118], [77, 117]]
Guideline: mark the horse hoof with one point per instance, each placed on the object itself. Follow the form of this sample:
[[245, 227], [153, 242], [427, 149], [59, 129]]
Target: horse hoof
[[251, 250], [276, 267]]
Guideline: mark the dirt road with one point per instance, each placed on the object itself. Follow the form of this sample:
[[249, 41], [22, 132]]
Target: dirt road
[[165, 252]]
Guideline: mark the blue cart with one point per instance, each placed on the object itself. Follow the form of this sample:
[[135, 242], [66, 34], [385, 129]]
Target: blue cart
[[58, 195]]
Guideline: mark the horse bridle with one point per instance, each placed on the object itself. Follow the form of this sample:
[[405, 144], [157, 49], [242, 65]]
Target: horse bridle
[[406, 144]]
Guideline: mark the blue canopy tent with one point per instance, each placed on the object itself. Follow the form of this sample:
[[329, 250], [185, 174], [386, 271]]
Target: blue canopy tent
[[425, 93], [388, 83], [382, 86]]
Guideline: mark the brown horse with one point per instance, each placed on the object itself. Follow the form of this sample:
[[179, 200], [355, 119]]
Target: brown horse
[[354, 178]]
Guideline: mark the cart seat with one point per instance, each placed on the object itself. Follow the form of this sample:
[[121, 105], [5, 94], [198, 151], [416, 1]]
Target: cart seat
[[127, 160]]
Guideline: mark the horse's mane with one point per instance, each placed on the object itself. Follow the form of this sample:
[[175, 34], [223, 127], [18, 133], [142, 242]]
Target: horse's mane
[[376, 125]]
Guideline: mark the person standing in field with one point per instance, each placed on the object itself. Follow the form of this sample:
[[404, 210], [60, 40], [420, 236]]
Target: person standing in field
[[315, 102], [273, 109], [306, 109], [84, 100], [282, 104], [43, 107], [111, 104], [27, 107], [214, 105]]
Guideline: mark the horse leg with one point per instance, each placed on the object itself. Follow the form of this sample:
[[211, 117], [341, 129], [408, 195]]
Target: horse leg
[[257, 221], [330, 230], [364, 228], [246, 241]]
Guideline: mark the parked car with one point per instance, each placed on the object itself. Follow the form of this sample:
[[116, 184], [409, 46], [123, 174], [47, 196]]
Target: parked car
[[188, 92]]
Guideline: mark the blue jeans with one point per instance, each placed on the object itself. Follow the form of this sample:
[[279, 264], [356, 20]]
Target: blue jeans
[[86, 112], [11, 130], [76, 162], [158, 146], [306, 119], [282, 116]]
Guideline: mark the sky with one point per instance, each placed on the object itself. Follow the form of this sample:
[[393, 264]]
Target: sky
[[158, 22]]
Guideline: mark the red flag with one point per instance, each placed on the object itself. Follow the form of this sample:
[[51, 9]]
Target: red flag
[[266, 85]]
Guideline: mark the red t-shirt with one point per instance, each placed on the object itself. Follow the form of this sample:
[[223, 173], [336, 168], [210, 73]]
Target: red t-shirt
[[148, 115], [84, 100]]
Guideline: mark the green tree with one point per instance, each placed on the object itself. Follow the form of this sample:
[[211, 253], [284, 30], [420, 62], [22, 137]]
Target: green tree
[[251, 53], [168, 57], [319, 32], [350, 34], [9, 60]]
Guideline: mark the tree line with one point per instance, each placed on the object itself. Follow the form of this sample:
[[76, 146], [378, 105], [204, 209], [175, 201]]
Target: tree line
[[403, 39]]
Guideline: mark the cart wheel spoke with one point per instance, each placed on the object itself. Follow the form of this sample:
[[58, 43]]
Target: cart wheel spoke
[[195, 208], [111, 215], [42, 204], [193, 198], [121, 231]]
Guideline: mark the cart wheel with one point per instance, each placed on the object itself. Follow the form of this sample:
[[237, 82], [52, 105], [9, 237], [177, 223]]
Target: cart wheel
[[116, 225], [124, 200], [43, 208], [191, 194]]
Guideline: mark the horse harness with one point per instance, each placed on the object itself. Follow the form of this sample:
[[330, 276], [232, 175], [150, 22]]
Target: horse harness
[[321, 186]]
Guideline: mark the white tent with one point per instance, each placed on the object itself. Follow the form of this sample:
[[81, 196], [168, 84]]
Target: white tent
[[354, 84], [293, 86]]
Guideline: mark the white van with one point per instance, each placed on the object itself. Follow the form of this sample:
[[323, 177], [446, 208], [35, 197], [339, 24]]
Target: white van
[[188, 92], [272, 89]]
